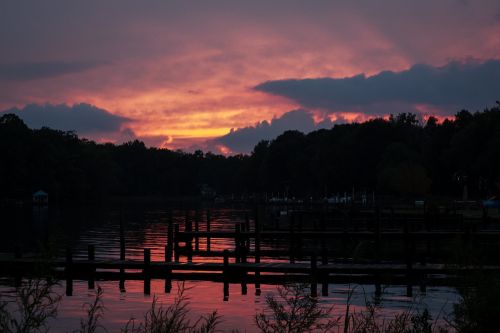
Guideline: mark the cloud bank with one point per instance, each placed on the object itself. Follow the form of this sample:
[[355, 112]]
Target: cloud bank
[[468, 84], [86, 121], [243, 140], [82, 118]]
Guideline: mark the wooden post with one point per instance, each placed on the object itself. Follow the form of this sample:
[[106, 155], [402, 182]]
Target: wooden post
[[208, 230], [378, 289], [257, 249], [291, 239], [409, 259], [244, 288], [122, 241], [409, 290], [18, 254], [243, 247], [244, 250], [147, 260], [169, 248], [168, 281], [247, 222], [69, 272], [237, 240], [189, 239], [324, 256], [257, 219], [90, 252], [91, 258], [323, 246], [314, 284], [324, 276], [324, 285], [226, 275], [168, 253], [196, 229], [121, 285], [176, 242], [147, 271], [377, 234], [122, 249], [226, 260], [257, 236]]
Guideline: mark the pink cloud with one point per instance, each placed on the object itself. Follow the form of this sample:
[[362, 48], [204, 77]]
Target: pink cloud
[[155, 55]]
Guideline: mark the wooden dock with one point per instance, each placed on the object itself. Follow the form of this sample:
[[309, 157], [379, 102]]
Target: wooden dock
[[316, 271], [248, 263]]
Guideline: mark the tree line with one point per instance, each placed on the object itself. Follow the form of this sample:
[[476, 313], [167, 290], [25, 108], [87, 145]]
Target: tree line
[[400, 155]]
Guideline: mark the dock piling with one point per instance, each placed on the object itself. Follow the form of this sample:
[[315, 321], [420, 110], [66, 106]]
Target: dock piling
[[147, 271], [196, 229], [237, 240], [91, 258], [226, 275], [208, 229], [69, 271], [314, 283], [169, 247], [176, 242]]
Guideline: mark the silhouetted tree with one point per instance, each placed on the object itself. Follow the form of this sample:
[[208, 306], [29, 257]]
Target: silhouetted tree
[[401, 155]]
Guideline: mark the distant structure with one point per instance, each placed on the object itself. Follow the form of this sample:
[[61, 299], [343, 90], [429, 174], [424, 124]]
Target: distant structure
[[40, 198], [40, 210], [207, 192]]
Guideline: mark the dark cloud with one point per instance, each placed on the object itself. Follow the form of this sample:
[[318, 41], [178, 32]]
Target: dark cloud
[[87, 121], [243, 140], [158, 141], [22, 71], [468, 84], [84, 119]]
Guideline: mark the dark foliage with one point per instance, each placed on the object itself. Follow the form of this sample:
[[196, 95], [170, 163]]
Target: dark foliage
[[396, 156]]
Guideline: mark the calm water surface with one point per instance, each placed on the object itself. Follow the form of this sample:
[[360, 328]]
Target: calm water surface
[[147, 228]]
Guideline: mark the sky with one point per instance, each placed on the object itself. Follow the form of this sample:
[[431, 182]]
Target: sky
[[222, 75]]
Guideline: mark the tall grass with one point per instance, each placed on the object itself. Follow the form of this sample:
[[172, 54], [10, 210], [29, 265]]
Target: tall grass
[[173, 318], [35, 303], [95, 311], [290, 310], [294, 311]]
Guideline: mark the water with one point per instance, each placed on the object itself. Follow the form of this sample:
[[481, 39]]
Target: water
[[239, 311], [147, 228]]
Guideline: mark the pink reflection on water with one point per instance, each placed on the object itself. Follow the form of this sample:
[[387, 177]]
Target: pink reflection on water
[[204, 297], [150, 231], [238, 312]]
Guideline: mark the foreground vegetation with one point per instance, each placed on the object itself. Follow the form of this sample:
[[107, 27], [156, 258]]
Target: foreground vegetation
[[291, 310], [401, 155]]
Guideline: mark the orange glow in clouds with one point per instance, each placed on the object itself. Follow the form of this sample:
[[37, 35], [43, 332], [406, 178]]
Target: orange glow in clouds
[[187, 76]]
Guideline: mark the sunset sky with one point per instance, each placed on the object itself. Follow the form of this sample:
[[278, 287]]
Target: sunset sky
[[221, 75]]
